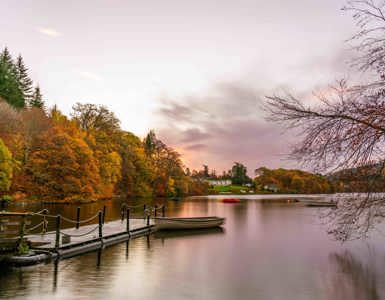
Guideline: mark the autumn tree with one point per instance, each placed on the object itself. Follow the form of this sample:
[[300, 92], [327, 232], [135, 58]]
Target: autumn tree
[[63, 166], [94, 117], [137, 172], [167, 165], [6, 169], [347, 127], [10, 120]]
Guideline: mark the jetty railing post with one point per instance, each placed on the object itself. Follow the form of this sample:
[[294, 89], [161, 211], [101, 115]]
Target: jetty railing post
[[100, 225], [78, 217], [45, 223], [57, 240], [163, 211], [22, 229], [128, 220], [148, 219], [104, 213], [122, 212], [155, 209], [144, 210]]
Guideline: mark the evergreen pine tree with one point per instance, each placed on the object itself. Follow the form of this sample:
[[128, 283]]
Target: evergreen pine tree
[[37, 99], [25, 83], [9, 86]]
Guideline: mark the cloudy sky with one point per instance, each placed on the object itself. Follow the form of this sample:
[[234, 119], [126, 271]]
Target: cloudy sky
[[195, 71]]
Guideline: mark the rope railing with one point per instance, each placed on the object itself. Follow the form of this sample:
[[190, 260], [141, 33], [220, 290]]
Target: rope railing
[[124, 205], [41, 212], [147, 210], [81, 234], [43, 215], [29, 230], [80, 221]]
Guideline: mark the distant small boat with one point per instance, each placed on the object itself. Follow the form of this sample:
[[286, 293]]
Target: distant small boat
[[188, 223], [320, 203], [231, 200]]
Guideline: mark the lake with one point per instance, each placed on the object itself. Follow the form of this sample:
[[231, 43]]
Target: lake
[[268, 249]]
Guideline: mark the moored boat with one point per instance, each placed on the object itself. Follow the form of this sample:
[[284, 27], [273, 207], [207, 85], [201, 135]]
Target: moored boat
[[321, 203], [231, 200], [188, 223]]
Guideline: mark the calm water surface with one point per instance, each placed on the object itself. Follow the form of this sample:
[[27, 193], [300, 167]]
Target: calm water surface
[[267, 250]]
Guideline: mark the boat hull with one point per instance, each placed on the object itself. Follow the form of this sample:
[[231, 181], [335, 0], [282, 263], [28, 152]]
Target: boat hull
[[188, 223], [321, 204], [231, 200]]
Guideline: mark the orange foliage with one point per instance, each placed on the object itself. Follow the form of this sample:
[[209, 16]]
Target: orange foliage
[[63, 166]]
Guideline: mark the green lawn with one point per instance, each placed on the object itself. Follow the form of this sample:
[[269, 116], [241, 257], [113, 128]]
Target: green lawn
[[234, 189]]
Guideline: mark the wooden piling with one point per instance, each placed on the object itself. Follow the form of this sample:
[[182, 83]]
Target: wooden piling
[[128, 220], [57, 240], [100, 224], [78, 217], [163, 211], [104, 213], [144, 211], [155, 210]]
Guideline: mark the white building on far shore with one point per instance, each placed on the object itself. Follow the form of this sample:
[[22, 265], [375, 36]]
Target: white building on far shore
[[220, 182]]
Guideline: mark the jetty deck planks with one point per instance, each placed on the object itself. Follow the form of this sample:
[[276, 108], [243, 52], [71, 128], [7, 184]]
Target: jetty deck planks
[[47, 241]]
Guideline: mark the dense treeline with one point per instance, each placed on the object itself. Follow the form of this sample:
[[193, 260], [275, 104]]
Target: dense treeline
[[267, 180], [361, 179], [237, 174], [47, 155], [292, 181]]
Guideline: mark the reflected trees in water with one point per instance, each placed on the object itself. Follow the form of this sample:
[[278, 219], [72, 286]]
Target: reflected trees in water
[[350, 278]]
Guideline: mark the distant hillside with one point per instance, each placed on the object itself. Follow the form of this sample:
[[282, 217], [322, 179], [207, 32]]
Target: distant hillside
[[361, 179], [292, 181]]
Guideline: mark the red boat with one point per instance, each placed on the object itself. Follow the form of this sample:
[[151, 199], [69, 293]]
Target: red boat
[[231, 200]]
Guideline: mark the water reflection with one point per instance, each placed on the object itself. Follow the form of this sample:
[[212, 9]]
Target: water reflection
[[167, 234], [55, 274], [351, 278], [127, 249], [266, 251]]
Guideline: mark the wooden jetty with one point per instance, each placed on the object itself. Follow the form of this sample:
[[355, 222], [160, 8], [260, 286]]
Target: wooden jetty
[[68, 242]]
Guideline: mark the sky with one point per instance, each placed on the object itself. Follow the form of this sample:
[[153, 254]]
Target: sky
[[197, 72]]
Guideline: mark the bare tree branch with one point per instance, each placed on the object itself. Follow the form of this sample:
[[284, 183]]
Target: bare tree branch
[[345, 130]]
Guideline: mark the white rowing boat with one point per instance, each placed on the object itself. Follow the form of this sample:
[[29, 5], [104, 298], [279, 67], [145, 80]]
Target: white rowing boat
[[188, 223]]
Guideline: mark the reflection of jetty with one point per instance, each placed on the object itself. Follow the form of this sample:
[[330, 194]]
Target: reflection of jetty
[[35, 244]]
